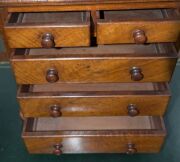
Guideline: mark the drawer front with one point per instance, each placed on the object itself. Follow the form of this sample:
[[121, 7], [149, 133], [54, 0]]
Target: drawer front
[[138, 29], [101, 141], [93, 70], [32, 37], [110, 144], [95, 103], [31, 34]]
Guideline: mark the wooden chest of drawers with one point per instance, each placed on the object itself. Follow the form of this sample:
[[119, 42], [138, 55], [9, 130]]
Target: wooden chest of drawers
[[93, 75]]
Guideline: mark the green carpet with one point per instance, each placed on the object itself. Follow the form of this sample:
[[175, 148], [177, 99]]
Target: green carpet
[[12, 148]]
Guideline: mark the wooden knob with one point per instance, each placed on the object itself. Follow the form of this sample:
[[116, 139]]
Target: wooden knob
[[132, 110], [55, 111], [52, 75], [136, 74], [57, 149], [47, 41], [131, 149], [139, 36]]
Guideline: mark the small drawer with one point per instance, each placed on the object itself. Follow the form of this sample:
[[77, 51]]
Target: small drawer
[[112, 99], [104, 63], [138, 26], [94, 135], [47, 30]]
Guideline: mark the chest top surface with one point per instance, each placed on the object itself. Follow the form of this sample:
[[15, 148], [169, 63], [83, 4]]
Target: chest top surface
[[64, 2]]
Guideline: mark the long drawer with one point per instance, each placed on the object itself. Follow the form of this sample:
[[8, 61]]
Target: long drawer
[[112, 63], [138, 26], [113, 99], [48, 29], [94, 135]]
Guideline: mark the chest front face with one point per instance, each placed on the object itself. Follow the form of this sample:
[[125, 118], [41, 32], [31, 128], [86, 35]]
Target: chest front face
[[93, 75]]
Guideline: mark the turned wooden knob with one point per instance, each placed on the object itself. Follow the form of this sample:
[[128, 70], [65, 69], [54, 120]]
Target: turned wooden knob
[[47, 41], [132, 110], [57, 149], [52, 75], [131, 149], [55, 111], [139, 36], [136, 74]]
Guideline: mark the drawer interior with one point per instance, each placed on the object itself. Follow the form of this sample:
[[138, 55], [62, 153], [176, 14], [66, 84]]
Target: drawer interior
[[115, 87], [48, 17], [94, 123], [139, 14], [160, 49]]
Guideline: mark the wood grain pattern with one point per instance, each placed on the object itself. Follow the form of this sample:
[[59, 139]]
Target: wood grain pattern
[[112, 144], [88, 7], [97, 66], [120, 29], [28, 33], [50, 1], [112, 141], [97, 134], [64, 2], [80, 102]]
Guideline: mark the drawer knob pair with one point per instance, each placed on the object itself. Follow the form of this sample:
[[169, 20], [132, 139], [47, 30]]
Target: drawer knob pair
[[139, 36], [131, 149], [55, 111], [47, 40], [52, 75], [132, 110], [57, 149], [136, 74]]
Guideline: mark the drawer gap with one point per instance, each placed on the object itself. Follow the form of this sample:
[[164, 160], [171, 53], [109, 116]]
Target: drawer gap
[[49, 17], [99, 87], [161, 49], [110, 89], [94, 124], [170, 13], [149, 14]]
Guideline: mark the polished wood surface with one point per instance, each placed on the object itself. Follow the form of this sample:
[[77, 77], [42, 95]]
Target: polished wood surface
[[92, 7], [147, 140], [67, 29], [96, 64], [91, 4], [59, 1], [122, 26], [21, 2], [93, 99], [82, 87], [106, 144]]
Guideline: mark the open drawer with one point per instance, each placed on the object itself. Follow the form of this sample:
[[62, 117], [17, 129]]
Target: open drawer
[[94, 135], [104, 63], [112, 99], [51, 29], [138, 26]]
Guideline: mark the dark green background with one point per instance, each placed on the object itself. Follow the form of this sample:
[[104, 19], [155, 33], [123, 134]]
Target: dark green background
[[12, 148]]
